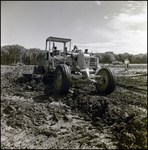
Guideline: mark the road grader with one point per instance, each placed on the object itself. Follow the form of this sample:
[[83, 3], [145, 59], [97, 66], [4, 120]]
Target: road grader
[[67, 67]]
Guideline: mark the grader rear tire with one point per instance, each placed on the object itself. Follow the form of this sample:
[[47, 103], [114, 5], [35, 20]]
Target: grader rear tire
[[62, 79], [109, 81]]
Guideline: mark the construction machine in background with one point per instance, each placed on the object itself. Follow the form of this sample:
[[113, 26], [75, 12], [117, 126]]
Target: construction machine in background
[[67, 67]]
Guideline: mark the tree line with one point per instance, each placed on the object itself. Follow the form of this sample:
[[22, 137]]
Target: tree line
[[12, 54], [109, 57]]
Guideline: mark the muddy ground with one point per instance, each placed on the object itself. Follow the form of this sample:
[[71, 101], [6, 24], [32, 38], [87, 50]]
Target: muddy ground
[[33, 116]]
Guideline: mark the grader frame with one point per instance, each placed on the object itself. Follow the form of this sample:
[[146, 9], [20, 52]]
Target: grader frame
[[68, 67]]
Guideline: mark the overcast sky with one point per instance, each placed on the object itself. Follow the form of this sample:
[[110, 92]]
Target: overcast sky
[[99, 26]]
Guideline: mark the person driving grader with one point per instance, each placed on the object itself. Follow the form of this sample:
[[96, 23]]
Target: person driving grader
[[75, 49], [54, 50], [55, 54]]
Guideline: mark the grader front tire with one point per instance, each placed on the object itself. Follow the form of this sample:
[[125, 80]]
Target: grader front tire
[[109, 81], [62, 79]]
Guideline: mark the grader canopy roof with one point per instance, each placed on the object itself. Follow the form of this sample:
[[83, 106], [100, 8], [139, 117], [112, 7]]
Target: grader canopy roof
[[56, 39]]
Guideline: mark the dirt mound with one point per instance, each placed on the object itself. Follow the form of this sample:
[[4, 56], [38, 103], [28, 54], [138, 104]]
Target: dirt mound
[[34, 116]]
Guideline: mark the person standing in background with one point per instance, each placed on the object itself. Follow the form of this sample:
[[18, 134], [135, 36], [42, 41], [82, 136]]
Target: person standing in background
[[126, 64]]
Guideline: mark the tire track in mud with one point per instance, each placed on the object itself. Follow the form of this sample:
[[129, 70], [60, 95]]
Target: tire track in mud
[[133, 88], [136, 83]]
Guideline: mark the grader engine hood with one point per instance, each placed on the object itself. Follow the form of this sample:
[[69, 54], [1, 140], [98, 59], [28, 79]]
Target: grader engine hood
[[83, 61]]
